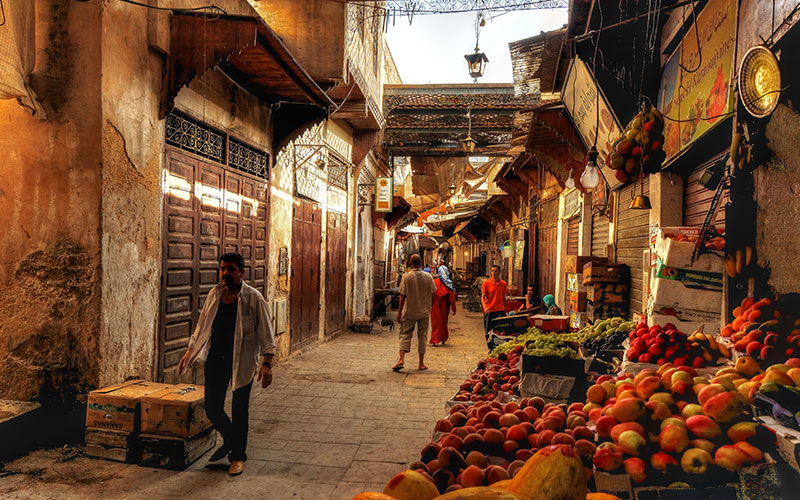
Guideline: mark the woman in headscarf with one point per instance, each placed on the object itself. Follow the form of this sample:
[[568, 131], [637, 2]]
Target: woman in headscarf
[[444, 300], [550, 304]]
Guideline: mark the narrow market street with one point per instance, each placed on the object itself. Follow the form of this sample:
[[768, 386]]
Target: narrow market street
[[335, 421]]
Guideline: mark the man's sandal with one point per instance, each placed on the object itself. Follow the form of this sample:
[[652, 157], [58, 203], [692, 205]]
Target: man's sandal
[[397, 367]]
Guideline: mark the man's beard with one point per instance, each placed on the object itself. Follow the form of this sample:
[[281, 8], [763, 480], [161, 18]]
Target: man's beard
[[232, 286]]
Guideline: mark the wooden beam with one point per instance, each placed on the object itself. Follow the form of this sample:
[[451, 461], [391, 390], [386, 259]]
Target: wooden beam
[[262, 40]]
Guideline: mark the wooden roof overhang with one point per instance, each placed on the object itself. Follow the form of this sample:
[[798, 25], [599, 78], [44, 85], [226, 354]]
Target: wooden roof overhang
[[431, 120], [254, 57]]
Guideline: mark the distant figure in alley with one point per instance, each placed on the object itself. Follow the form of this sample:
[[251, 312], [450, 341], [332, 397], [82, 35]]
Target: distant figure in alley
[[417, 289], [493, 299], [233, 331], [444, 301]]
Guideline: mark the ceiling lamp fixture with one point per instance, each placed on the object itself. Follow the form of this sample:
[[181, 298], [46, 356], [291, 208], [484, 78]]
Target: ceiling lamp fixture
[[570, 182], [590, 177], [759, 81]]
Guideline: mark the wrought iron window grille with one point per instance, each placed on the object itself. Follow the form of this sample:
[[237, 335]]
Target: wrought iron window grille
[[194, 136], [248, 159]]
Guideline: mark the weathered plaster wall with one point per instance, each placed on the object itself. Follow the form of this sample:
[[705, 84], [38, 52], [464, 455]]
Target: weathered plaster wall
[[778, 198], [132, 147], [49, 213], [313, 30]]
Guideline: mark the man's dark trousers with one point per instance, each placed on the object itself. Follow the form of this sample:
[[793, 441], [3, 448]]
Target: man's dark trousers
[[487, 318], [233, 429]]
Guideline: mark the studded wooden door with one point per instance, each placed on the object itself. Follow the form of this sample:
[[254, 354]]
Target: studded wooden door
[[208, 210], [304, 296], [335, 273]]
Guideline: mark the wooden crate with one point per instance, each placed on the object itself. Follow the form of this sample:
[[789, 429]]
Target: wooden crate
[[167, 452], [178, 411], [111, 445], [116, 407]]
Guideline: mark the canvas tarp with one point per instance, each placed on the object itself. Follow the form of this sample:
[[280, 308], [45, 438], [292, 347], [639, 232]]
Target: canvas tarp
[[17, 52]]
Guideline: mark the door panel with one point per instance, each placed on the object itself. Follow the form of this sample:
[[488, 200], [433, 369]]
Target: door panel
[[206, 212]]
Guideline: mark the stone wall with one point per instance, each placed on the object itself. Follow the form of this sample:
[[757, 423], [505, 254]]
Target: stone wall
[[778, 198]]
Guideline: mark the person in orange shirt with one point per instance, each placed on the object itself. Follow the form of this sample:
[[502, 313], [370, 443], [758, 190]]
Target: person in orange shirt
[[493, 299]]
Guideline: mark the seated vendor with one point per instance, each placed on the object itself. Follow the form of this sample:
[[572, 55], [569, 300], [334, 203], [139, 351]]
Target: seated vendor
[[550, 304], [532, 303]]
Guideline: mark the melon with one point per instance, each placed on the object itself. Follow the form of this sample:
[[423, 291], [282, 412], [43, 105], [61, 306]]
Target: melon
[[479, 493], [601, 496], [410, 485], [555, 472], [372, 495]]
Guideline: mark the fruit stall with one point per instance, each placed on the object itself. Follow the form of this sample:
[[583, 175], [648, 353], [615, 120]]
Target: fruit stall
[[652, 413]]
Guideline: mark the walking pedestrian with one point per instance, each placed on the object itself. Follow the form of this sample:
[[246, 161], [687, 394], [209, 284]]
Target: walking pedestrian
[[416, 298], [444, 274], [233, 331], [493, 299], [444, 300]]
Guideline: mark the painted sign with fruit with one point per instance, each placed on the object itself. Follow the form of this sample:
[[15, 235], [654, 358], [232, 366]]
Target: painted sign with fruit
[[591, 113], [695, 86]]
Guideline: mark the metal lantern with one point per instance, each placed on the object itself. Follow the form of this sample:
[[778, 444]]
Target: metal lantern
[[468, 144], [476, 63], [759, 81]]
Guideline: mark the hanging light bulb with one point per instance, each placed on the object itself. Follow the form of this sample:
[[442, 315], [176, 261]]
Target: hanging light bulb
[[570, 183], [590, 177]]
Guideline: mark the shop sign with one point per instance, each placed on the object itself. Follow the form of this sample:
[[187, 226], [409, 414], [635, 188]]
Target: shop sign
[[337, 200], [572, 204], [384, 190], [580, 97], [696, 82]]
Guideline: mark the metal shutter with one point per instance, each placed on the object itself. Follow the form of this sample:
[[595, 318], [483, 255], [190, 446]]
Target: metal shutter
[[697, 199], [573, 230], [599, 234]]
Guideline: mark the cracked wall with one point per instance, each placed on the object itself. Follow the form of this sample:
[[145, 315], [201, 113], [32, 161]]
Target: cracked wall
[[50, 213]]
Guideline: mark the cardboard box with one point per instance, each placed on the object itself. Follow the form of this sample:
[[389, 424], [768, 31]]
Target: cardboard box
[[676, 294], [549, 323], [575, 282], [578, 319], [597, 312], [574, 263], [676, 253], [553, 365], [787, 439], [594, 272], [117, 407], [177, 411], [691, 277], [615, 484], [166, 452], [552, 387], [505, 325], [576, 301], [607, 293], [684, 314]]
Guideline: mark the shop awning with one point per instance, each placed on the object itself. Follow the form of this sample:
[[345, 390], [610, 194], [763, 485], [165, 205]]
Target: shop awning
[[252, 55]]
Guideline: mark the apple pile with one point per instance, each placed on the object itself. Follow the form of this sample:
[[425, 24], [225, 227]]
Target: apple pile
[[667, 344], [489, 442], [657, 423], [765, 329], [493, 375]]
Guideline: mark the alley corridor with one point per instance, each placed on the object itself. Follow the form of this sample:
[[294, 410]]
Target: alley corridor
[[335, 421]]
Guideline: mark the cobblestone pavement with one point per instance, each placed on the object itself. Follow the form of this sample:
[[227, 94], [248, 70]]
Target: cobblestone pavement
[[335, 422]]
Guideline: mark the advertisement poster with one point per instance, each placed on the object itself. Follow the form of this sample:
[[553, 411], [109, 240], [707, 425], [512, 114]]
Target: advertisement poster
[[384, 190], [580, 98], [696, 82], [519, 254]]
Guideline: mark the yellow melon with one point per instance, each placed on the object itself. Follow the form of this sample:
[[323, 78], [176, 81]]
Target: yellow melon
[[553, 473], [410, 485]]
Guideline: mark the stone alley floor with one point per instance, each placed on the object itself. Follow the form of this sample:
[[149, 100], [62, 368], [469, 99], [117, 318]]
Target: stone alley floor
[[336, 421]]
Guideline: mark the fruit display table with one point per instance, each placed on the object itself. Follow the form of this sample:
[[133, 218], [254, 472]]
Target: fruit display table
[[689, 420]]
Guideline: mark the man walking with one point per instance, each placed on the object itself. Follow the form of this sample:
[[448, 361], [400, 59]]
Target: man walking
[[416, 297], [233, 331], [493, 299]]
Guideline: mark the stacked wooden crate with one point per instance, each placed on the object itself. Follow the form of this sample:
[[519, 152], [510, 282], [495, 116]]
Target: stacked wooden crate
[[175, 428], [112, 419], [152, 424], [607, 290]]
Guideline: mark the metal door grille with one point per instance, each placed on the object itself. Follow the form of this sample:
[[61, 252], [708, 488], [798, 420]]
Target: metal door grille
[[194, 136]]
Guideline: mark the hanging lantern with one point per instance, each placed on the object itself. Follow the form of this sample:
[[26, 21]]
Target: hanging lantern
[[476, 63], [759, 81], [468, 144], [570, 182], [590, 177], [640, 202]]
